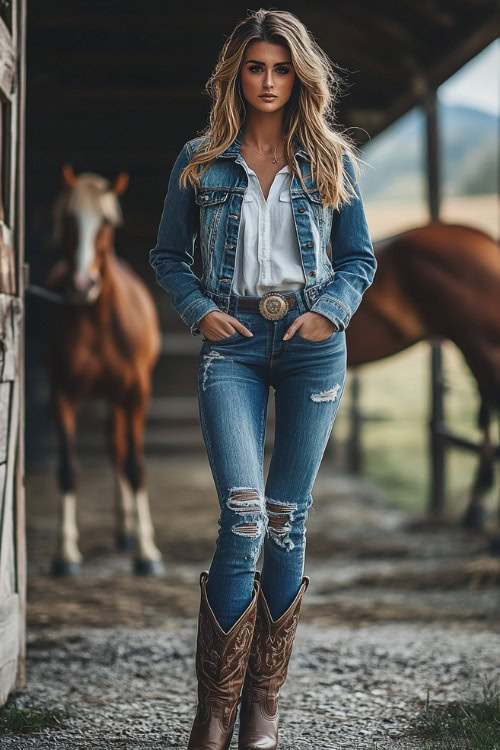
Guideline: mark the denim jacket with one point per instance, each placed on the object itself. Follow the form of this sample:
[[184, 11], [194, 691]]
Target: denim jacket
[[333, 287]]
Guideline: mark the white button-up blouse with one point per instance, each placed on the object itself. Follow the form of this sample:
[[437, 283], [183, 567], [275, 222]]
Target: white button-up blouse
[[267, 252]]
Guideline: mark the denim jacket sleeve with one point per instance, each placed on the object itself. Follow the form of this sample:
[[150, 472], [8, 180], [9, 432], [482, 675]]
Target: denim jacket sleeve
[[353, 260], [173, 254]]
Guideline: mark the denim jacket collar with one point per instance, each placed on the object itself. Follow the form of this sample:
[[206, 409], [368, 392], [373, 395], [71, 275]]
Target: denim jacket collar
[[235, 148]]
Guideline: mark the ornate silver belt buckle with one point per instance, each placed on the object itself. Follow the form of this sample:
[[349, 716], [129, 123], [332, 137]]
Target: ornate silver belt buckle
[[273, 306]]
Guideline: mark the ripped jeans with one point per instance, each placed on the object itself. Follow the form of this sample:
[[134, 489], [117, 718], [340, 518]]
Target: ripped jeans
[[234, 376]]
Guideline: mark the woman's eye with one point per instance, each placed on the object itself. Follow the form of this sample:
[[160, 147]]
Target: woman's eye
[[258, 68]]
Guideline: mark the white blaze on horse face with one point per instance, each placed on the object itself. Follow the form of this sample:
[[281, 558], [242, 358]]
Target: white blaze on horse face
[[88, 225]]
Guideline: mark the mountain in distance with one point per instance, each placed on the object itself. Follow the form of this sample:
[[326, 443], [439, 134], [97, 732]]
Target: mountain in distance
[[394, 167]]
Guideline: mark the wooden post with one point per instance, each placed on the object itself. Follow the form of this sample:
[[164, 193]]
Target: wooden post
[[437, 442], [12, 510], [22, 270]]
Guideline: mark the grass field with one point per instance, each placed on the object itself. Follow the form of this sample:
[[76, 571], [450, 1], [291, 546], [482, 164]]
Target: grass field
[[390, 217], [395, 401], [461, 725]]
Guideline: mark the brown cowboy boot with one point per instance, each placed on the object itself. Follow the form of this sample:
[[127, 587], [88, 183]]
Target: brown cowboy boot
[[221, 662], [267, 667]]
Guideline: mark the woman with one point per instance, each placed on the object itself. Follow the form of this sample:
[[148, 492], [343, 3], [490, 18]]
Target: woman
[[271, 189]]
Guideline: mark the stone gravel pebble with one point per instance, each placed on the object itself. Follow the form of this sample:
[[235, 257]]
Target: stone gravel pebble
[[394, 614], [347, 689]]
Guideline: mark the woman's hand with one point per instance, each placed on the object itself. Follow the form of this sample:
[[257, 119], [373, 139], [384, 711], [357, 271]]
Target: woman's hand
[[313, 326], [218, 325]]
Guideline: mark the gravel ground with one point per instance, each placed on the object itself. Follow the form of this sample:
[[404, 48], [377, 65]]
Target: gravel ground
[[397, 607], [347, 689]]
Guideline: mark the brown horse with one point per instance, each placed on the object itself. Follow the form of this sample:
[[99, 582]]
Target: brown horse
[[105, 346], [439, 280]]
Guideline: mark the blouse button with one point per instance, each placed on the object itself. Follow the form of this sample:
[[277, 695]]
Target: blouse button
[[301, 209]]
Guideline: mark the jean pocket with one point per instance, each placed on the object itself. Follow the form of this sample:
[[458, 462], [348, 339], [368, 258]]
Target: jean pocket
[[221, 341], [317, 341]]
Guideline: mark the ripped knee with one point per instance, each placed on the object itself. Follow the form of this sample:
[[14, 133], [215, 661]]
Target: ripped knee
[[247, 503], [280, 517]]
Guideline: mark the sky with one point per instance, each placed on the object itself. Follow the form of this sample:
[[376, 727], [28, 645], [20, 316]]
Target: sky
[[477, 84]]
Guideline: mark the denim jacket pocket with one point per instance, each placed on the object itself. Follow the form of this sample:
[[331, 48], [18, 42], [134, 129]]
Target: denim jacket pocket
[[211, 202], [314, 196], [210, 197]]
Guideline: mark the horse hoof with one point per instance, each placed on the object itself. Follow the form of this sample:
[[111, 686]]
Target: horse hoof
[[144, 567], [65, 568], [495, 546], [124, 542], [474, 518]]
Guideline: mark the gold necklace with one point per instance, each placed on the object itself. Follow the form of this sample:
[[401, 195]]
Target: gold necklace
[[274, 159]]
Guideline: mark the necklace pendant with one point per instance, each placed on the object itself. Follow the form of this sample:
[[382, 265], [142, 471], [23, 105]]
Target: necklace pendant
[[275, 161]]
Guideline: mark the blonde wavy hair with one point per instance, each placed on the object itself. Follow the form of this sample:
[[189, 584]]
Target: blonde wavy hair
[[309, 113]]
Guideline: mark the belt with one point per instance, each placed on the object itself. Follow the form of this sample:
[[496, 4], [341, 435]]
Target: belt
[[272, 305]]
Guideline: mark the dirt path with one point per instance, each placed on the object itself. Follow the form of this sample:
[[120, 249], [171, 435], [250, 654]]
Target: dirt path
[[395, 609]]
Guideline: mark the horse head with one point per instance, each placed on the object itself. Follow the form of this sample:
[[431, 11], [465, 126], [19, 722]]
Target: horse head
[[85, 216]]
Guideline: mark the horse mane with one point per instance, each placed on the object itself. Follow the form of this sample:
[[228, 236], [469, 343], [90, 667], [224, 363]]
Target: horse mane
[[91, 192]]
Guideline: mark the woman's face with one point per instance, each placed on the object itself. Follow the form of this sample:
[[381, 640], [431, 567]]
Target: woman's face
[[267, 69]]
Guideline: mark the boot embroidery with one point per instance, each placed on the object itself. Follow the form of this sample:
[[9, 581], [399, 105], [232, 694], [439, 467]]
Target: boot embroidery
[[271, 650], [266, 672], [221, 662]]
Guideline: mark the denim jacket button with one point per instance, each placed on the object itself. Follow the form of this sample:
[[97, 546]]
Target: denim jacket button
[[312, 273], [301, 209], [310, 244]]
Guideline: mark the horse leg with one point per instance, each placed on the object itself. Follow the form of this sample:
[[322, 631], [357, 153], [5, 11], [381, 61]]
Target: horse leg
[[124, 496], [147, 557], [475, 515], [495, 539], [67, 560]]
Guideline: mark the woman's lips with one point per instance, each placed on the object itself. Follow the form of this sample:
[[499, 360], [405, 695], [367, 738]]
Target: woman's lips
[[268, 97]]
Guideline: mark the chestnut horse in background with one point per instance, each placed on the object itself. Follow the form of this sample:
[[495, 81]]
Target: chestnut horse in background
[[439, 280], [105, 346]]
